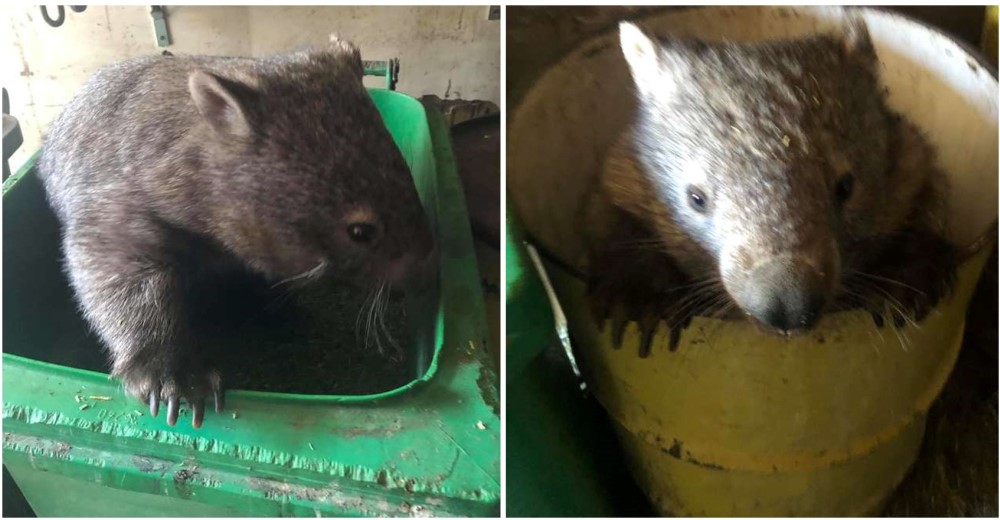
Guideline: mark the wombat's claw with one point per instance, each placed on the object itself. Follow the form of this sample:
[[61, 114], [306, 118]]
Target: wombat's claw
[[173, 406], [199, 412], [618, 333], [912, 290], [648, 330], [620, 302], [898, 320], [195, 398], [675, 332], [877, 318], [198, 406], [619, 322], [154, 404], [675, 337]]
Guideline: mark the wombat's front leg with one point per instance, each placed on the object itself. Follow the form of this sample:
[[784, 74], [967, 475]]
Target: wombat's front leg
[[916, 270], [631, 279], [130, 293]]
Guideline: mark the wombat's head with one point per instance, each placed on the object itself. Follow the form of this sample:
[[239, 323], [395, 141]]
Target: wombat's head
[[308, 178], [770, 157]]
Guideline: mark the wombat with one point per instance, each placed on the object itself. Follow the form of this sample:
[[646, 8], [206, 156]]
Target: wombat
[[768, 179], [169, 173]]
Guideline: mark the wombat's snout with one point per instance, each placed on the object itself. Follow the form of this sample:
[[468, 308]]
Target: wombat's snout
[[787, 293]]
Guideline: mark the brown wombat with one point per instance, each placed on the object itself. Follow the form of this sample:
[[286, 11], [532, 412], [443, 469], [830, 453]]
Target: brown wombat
[[171, 173], [767, 179]]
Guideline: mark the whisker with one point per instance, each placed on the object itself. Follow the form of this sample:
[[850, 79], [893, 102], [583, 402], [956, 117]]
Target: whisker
[[890, 300], [850, 299], [368, 319], [899, 338], [376, 307], [679, 306], [906, 336], [710, 281], [890, 280], [314, 272], [381, 319], [721, 306], [868, 330], [860, 300], [277, 300], [361, 311], [693, 304], [897, 306], [637, 241], [891, 304]]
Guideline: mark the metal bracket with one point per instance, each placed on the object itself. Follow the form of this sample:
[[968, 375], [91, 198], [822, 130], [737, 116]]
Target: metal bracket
[[160, 25], [388, 68]]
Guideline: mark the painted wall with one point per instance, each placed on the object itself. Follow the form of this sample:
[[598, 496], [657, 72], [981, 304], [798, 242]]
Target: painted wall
[[452, 52]]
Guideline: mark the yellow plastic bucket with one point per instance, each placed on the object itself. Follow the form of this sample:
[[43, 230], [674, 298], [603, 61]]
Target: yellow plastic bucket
[[737, 423]]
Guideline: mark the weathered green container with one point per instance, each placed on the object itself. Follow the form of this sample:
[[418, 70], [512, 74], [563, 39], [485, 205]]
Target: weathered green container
[[430, 447], [557, 453]]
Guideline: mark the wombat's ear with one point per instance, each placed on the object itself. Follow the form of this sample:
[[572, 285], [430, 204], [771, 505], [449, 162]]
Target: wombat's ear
[[654, 68], [349, 50], [857, 41], [221, 102], [639, 50]]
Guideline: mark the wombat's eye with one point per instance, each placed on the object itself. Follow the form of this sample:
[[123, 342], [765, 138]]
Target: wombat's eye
[[844, 188], [697, 199], [362, 233]]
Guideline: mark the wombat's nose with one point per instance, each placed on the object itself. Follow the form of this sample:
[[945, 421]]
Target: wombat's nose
[[788, 294]]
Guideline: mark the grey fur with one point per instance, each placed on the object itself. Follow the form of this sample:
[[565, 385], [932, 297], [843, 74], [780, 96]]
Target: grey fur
[[164, 170], [766, 130]]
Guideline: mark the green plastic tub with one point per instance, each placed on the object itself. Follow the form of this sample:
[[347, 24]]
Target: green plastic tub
[[561, 458], [430, 447]]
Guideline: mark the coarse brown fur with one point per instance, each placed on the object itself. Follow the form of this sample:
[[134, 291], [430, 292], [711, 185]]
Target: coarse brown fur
[[171, 172], [765, 172]]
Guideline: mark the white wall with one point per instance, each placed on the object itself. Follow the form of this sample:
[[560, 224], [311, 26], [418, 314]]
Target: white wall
[[452, 52]]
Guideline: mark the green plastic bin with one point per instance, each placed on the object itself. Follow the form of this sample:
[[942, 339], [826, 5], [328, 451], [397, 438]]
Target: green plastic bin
[[430, 447], [558, 443]]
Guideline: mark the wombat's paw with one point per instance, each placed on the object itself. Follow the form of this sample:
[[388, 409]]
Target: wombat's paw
[[907, 292], [632, 292], [153, 386]]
